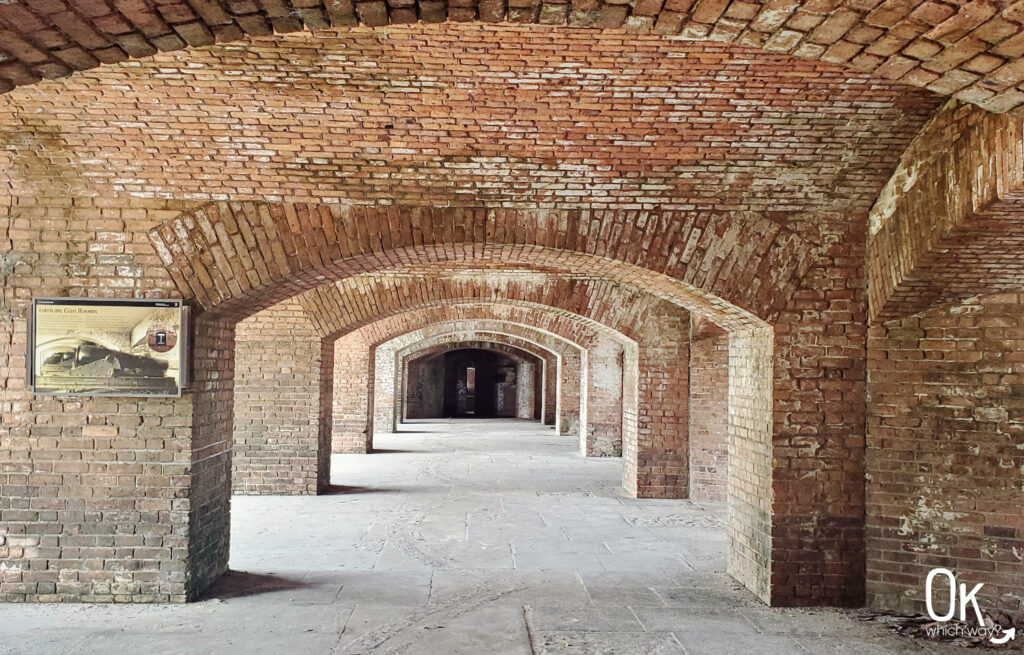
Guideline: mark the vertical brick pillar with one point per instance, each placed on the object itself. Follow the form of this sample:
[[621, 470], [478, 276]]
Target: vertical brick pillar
[[281, 425], [550, 383], [353, 375], [602, 434], [383, 384], [526, 372], [570, 374], [750, 459], [819, 410], [205, 494], [658, 467], [709, 411]]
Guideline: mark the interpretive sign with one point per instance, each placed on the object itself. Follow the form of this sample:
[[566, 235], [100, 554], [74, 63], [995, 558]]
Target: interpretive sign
[[92, 347]]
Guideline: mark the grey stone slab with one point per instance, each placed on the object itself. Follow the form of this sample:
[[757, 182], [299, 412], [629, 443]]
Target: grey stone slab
[[713, 642], [694, 620], [583, 618], [605, 643]]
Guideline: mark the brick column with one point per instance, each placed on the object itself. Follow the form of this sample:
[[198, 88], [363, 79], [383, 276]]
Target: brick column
[[353, 396], [550, 383], [383, 384], [570, 373], [281, 427], [657, 466], [525, 387], [602, 436], [709, 411]]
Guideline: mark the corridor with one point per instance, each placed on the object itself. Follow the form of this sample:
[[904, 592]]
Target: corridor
[[462, 537]]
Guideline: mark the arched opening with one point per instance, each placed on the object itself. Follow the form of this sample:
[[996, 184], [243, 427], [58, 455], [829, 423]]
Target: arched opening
[[422, 383], [477, 383]]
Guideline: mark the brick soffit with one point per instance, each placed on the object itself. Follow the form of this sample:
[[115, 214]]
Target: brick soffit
[[970, 50]]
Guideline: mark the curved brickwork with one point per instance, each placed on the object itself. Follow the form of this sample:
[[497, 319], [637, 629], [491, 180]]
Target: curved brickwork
[[242, 257], [949, 223], [969, 50], [353, 302]]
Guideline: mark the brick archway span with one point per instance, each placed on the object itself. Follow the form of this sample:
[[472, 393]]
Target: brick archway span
[[967, 50], [359, 301], [237, 258]]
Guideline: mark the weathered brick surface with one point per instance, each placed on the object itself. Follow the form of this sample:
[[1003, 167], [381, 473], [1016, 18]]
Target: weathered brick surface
[[949, 225], [751, 556], [601, 415], [656, 463], [353, 372], [301, 246], [819, 396], [734, 183], [969, 50], [74, 472], [277, 413], [945, 457], [709, 411]]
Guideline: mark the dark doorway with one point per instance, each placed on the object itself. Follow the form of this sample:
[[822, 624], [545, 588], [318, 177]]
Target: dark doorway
[[479, 383]]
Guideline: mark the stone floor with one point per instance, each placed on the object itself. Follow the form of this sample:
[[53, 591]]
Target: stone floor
[[463, 537]]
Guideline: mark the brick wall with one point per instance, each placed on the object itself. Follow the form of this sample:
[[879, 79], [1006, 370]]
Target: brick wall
[[602, 436], [278, 413], [353, 402], [819, 396], [661, 467], [74, 471], [709, 411], [946, 452], [750, 464]]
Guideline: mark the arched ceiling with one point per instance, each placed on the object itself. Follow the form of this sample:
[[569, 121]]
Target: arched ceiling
[[970, 49]]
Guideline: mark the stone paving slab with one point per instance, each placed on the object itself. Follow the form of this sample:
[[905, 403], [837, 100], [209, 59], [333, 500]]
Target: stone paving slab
[[463, 538]]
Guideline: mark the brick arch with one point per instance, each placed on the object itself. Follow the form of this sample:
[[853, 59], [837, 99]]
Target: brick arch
[[573, 365], [592, 305], [964, 50], [600, 350], [530, 371], [215, 254], [547, 357], [353, 414]]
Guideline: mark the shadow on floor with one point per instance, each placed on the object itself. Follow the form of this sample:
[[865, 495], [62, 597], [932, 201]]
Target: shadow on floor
[[236, 584], [393, 451], [339, 490]]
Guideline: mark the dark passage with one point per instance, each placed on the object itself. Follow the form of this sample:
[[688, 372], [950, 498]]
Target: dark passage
[[462, 383]]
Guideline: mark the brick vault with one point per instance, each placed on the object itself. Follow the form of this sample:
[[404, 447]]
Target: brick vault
[[766, 253]]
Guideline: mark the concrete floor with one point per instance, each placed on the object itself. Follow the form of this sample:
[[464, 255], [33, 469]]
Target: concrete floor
[[463, 537]]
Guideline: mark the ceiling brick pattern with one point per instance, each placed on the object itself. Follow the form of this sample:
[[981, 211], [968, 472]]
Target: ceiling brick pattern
[[968, 49]]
